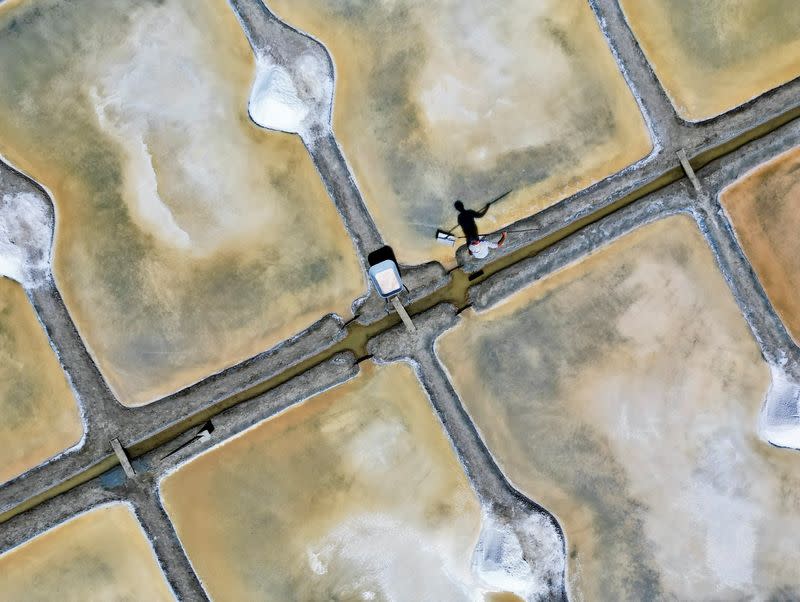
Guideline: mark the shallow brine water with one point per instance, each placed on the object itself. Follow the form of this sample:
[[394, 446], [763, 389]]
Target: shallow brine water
[[437, 101], [713, 55], [354, 494], [100, 555], [39, 416], [187, 239], [764, 207], [623, 394]]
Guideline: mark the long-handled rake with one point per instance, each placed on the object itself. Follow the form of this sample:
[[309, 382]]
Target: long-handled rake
[[446, 237]]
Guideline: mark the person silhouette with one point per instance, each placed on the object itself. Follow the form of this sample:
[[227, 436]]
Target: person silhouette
[[477, 245]]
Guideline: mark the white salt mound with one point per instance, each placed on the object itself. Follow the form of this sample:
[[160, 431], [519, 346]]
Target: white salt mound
[[499, 559], [780, 418], [25, 237], [274, 103]]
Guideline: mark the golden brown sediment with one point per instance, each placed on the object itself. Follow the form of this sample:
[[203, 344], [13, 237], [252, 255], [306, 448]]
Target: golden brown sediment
[[502, 597], [622, 393], [715, 55], [100, 555], [187, 239], [40, 415], [764, 208], [344, 496], [437, 101]]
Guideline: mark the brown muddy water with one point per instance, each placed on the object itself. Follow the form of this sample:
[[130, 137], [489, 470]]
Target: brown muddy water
[[40, 416], [437, 101], [714, 55], [354, 494], [187, 239], [623, 394], [100, 555], [764, 208]]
